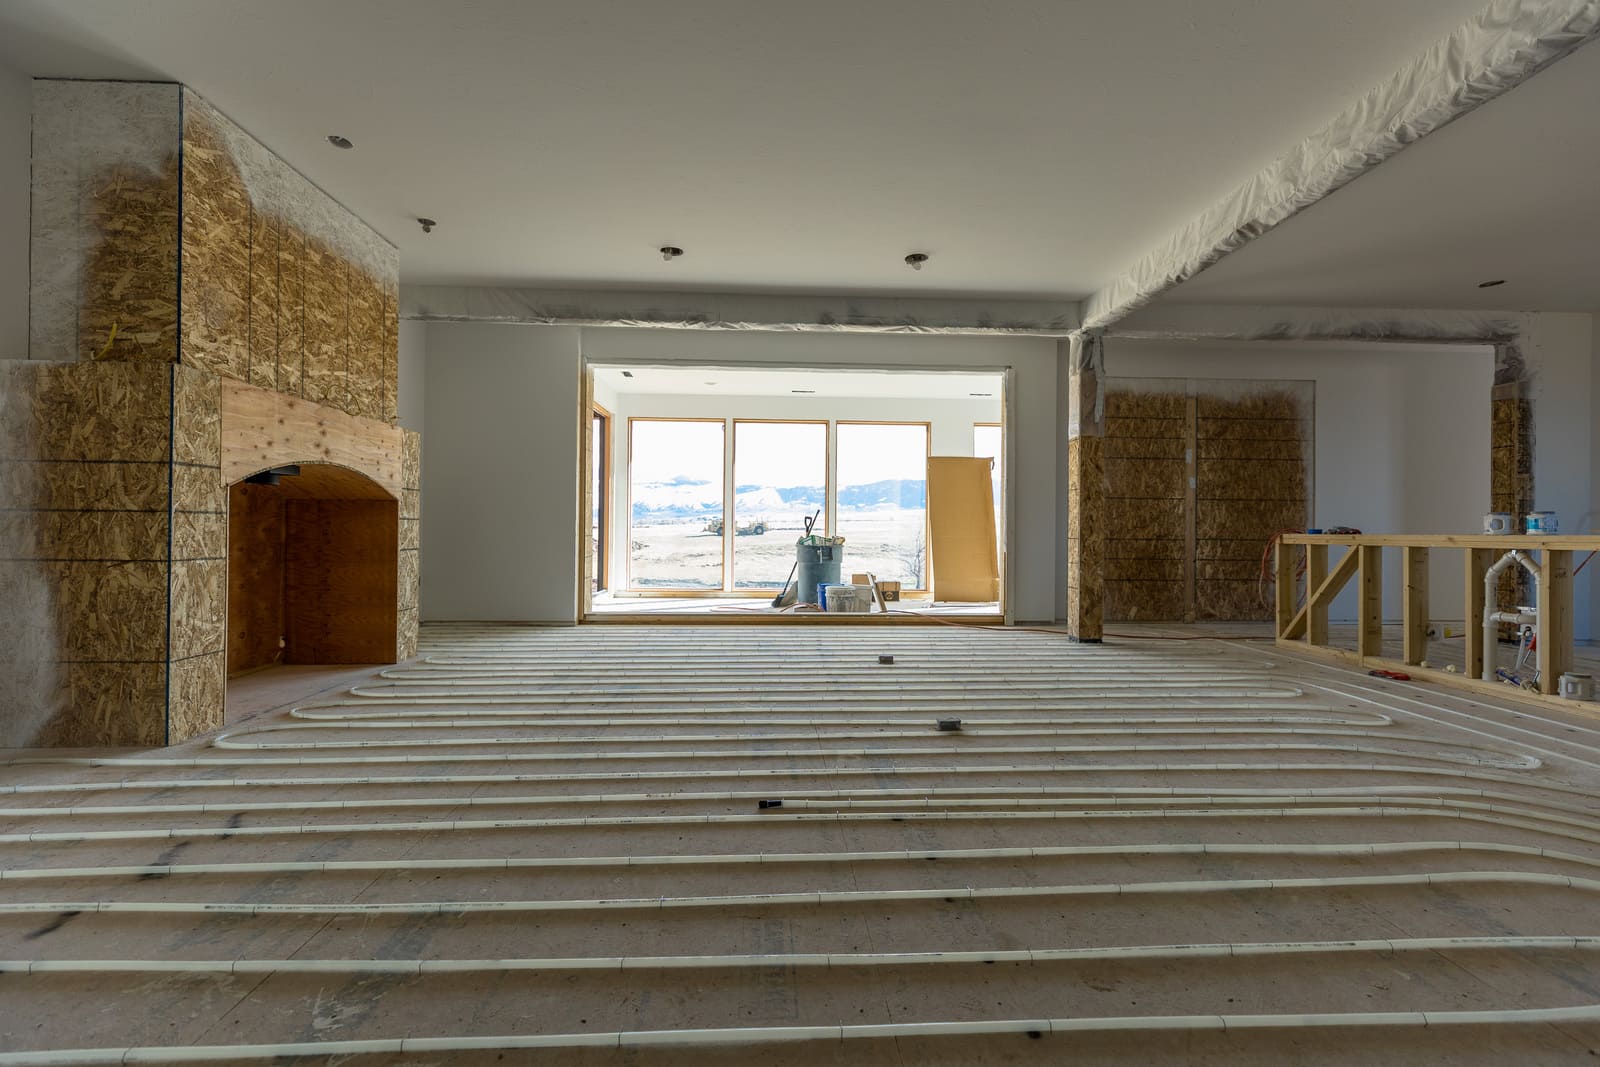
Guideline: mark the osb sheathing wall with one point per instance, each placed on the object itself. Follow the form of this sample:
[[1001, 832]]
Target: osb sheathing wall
[[410, 571], [1179, 550], [113, 545]]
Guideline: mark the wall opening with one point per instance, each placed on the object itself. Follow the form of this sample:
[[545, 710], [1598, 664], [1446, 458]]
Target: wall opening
[[312, 570]]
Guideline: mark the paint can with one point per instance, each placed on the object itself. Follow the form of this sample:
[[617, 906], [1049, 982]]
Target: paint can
[[1542, 523], [1497, 523], [1577, 686]]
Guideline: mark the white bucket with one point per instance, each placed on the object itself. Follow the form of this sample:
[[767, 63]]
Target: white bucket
[[848, 599], [1577, 686], [1542, 523], [1497, 523]]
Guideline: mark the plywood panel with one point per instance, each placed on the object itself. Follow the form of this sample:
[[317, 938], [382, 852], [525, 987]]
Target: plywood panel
[[341, 588], [262, 429], [966, 565], [256, 533]]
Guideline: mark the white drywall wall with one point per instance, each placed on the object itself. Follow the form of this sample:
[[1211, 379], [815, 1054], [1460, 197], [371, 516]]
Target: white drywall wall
[[413, 364], [1033, 361], [500, 473], [1402, 435], [950, 425], [16, 111]]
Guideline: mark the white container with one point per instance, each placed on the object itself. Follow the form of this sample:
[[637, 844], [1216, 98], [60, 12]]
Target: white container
[[848, 599], [1577, 686], [1498, 523], [1542, 523]]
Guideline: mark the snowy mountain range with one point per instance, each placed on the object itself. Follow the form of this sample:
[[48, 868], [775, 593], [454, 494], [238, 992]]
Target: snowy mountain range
[[683, 499]]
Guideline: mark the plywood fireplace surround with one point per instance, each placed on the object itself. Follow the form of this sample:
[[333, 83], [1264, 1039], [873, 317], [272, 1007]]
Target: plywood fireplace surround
[[198, 312]]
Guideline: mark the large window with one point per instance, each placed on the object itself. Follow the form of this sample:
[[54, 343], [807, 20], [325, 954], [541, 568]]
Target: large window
[[675, 471], [780, 476], [988, 442], [882, 500], [599, 502]]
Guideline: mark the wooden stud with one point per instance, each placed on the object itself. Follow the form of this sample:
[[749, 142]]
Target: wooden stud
[[1284, 562], [1322, 594], [1478, 562], [1316, 574], [1555, 618], [1414, 609], [1369, 641]]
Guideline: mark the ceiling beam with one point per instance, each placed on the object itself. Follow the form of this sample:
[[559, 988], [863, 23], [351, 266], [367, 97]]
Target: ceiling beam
[[722, 311], [1510, 42]]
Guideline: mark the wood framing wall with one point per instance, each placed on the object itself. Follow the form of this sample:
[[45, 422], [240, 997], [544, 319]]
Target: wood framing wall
[[1199, 475], [172, 258]]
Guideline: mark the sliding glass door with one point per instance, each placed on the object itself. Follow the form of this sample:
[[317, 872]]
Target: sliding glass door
[[675, 503], [780, 476], [882, 499]]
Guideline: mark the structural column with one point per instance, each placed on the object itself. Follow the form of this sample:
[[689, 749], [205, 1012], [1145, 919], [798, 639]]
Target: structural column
[[1086, 486]]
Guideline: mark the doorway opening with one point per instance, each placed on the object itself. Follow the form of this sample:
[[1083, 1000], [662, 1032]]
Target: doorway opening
[[713, 473]]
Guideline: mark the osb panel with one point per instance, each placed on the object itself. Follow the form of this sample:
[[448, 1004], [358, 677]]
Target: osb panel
[[411, 503], [111, 704], [1146, 427], [391, 351], [1146, 448], [1241, 570], [216, 248], [110, 148], [291, 309], [341, 597], [1145, 478], [1229, 601], [366, 346], [411, 459], [1086, 526], [1123, 404], [199, 607], [84, 411], [409, 580], [198, 489], [1253, 429], [256, 534], [1246, 519], [199, 690], [196, 417], [407, 638], [1262, 449], [83, 535], [410, 534], [324, 326], [1258, 404], [1144, 601], [1141, 519], [1222, 548], [1281, 479], [1149, 570], [1145, 548], [262, 429], [86, 486], [110, 611], [199, 535], [263, 320]]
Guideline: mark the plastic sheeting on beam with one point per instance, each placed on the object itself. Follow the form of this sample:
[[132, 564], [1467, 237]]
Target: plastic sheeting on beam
[[1230, 322], [719, 311], [1511, 41]]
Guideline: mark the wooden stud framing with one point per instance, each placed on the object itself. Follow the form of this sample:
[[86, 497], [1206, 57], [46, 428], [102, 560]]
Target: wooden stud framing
[[1284, 586], [1369, 641], [1414, 575], [1555, 605]]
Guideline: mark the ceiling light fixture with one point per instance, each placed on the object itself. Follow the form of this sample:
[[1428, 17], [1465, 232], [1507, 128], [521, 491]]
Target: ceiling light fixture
[[340, 142], [670, 252], [916, 259], [427, 225], [980, 394], [1491, 285], [627, 374]]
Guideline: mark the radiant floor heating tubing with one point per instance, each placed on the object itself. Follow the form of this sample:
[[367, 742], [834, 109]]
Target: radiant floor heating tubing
[[526, 690]]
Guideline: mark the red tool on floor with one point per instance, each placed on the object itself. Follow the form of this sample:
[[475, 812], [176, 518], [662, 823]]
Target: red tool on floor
[[1398, 676]]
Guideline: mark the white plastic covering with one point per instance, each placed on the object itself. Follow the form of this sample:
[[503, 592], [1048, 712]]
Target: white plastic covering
[[1242, 322], [1508, 43], [720, 311]]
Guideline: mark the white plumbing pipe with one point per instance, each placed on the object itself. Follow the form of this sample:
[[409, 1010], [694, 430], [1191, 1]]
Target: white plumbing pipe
[[1491, 595]]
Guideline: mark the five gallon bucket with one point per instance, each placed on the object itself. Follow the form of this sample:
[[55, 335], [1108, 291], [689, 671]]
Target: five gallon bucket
[[847, 599]]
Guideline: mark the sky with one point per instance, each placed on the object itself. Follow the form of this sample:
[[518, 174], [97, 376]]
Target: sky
[[777, 454]]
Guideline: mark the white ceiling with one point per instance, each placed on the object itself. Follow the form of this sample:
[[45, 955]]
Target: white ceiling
[[750, 381], [1033, 147], [1508, 191]]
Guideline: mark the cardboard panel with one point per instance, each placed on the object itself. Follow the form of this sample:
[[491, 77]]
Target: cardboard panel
[[966, 566]]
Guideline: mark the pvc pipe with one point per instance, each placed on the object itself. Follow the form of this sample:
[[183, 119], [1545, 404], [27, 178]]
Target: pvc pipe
[[419, 967], [1491, 597], [811, 897]]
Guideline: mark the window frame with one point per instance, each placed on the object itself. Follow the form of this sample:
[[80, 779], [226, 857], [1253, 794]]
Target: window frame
[[927, 529], [727, 507], [730, 576]]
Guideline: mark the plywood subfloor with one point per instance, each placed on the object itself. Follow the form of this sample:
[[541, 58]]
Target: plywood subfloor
[[406, 820]]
